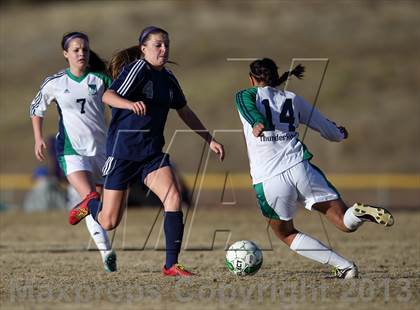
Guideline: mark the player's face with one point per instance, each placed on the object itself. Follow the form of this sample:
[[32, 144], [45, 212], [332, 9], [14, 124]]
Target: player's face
[[156, 50], [77, 54]]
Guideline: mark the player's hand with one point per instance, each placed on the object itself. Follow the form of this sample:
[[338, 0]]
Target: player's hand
[[217, 148], [138, 108], [344, 131], [258, 129], [40, 146]]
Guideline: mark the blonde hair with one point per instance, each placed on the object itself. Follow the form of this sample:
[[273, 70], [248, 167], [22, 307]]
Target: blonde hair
[[122, 58]]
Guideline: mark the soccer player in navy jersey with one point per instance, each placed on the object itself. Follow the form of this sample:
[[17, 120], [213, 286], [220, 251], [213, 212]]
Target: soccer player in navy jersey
[[141, 97]]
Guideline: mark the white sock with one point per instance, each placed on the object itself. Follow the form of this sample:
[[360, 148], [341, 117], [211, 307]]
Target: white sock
[[313, 249], [99, 235], [351, 221]]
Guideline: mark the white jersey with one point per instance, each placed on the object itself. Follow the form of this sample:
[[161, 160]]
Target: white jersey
[[279, 148], [82, 127]]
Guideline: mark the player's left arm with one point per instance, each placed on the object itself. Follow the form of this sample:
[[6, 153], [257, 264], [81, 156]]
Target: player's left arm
[[192, 121], [310, 116], [245, 103]]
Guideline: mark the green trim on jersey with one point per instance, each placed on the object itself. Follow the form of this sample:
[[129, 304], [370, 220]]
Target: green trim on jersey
[[68, 148], [306, 154], [62, 163], [266, 210], [326, 180], [105, 78], [245, 103], [75, 78]]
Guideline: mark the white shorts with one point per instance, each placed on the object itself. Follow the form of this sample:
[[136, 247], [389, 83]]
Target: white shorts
[[278, 196], [93, 164]]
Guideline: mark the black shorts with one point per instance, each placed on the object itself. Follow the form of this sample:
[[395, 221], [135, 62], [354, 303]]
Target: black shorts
[[119, 174]]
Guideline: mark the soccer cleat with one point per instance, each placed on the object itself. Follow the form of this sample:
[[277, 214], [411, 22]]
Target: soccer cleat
[[346, 273], [110, 262], [373, 214], [176, 270], [80, 211]]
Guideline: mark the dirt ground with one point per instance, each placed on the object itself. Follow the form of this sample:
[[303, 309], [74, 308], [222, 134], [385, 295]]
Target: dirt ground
[[45, 264]]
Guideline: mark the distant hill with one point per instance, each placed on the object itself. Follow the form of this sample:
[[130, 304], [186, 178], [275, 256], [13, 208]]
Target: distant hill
[[371, 85]]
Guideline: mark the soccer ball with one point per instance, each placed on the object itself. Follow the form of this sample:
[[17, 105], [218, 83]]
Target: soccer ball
[[244, 258]]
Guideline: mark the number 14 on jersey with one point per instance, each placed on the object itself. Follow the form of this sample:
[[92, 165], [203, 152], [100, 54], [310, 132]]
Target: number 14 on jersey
[[286, 115]]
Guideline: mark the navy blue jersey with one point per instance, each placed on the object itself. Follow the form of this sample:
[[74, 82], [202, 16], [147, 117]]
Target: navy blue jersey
[[135, 137]]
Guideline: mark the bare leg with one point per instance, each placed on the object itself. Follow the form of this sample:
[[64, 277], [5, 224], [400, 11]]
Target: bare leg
[[334, 211], [113, 206], [163, 183], [82, 182], [284, 230]]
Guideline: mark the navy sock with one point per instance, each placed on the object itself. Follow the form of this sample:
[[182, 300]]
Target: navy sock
[[174, 230], [95, 207]]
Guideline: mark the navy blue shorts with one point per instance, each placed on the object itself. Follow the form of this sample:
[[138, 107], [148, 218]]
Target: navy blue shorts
[[119, 174]]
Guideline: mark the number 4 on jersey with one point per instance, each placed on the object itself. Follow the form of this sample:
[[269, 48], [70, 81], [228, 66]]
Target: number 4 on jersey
[[286, 115]]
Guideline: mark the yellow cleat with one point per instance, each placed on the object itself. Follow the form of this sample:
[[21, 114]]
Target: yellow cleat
[[373, 214]]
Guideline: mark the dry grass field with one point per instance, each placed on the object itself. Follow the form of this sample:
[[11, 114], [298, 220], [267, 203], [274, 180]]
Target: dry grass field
[[46, 265]]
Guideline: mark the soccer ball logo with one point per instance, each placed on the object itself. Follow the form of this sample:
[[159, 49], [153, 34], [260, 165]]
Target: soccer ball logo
[[244, 258]]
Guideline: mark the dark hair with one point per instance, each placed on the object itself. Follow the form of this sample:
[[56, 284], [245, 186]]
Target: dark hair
[[265, 70], [67, 37], [95, 62], [123, 58], [146, 32]]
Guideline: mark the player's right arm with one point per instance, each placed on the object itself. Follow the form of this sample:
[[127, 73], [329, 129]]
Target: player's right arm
[[310, 116], [40, 145], [245, 103], [113, 99], [37, 109], [124, 85]]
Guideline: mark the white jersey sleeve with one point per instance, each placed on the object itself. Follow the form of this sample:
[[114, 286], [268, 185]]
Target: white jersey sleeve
[[278, 148], [44, 97], [310, 116]]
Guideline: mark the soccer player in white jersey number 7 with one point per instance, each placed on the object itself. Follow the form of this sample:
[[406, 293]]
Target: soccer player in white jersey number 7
[[80, 143], [281, 170]]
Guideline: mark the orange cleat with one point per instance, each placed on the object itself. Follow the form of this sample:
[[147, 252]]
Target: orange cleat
[[177, 270], [80, 211]]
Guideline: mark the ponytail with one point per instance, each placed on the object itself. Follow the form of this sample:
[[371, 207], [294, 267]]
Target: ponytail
[[265, 70], [297, 71], [96, 64], [122, 58]]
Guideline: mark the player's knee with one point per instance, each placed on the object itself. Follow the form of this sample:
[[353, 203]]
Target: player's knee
[[172, 201], [109, 222], [109, 226], [284, 231]]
